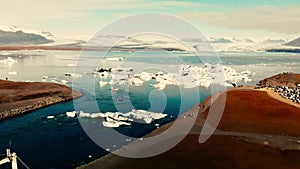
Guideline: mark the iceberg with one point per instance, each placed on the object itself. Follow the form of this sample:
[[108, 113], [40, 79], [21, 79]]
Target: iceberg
[[71, 114], [188, 76], [102, 84], [50, 117], [136, 81], [116, 119], [8, 61], [147, 116], [90, 115], [13, 73]]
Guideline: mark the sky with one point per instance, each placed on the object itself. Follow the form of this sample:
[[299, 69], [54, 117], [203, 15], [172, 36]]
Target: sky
[[222, 18]]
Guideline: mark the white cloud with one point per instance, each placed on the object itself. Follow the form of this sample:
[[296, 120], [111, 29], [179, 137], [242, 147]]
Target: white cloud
[[32, 9], [273, 19]]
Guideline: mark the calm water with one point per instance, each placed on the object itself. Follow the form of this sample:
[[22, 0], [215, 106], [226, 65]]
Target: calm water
[[61, 142]]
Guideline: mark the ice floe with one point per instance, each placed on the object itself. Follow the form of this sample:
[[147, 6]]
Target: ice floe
[[116, 119], [13, 73], [8, 61], [50, 117], [64, 81], [188, 76], [71, 114], [147, 116]]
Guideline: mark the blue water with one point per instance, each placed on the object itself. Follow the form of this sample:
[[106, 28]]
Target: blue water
[[62, 143]]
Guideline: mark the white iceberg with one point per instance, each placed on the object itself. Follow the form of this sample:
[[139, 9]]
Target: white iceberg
[[102, 84], [13, 73], [147, 116], [8, 61], [71, 114]]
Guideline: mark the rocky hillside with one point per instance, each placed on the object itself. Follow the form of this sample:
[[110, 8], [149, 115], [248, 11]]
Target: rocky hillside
[[17, 98], [284, 79], [295, 42], [21, 38]]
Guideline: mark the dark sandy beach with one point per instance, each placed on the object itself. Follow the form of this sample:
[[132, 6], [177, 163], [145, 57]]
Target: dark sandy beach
[[256, 131], [17, 98]]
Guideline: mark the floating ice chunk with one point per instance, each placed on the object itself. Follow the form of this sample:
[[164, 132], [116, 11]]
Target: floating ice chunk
[[13, 73], [102, 84], [90, 115], [8, 61], [228, 85], [54, 81], [64, 81], [148, 120], [50, 117], [110, 124], [115, 120], [114, 123], [247, 72], [136, 81], [187, 76], [71, 114], [147, 116], [145, 76]]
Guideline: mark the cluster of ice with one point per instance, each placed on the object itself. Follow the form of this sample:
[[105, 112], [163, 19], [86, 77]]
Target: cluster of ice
[[147, 116], [90, 115], [54, 79], [116, 119], [71, 113], [188, 76], [64, 81], [8, 61], [13, 73]]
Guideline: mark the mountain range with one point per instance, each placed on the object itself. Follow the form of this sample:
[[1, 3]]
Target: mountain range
[[21, 38], [295, 42], [14, 36]]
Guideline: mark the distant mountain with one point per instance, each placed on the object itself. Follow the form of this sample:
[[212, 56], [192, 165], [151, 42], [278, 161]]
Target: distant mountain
[[295, 42], [194, 40], [221, 40], [247, 40], [280, 41], [21, 38]]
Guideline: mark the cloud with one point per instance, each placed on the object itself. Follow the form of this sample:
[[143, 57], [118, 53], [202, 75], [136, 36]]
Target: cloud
[[33, 9], [267, 18]]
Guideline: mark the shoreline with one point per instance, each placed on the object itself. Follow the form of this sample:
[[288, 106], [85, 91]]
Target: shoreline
[[23, 97], [83, 48], [271, 140]]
